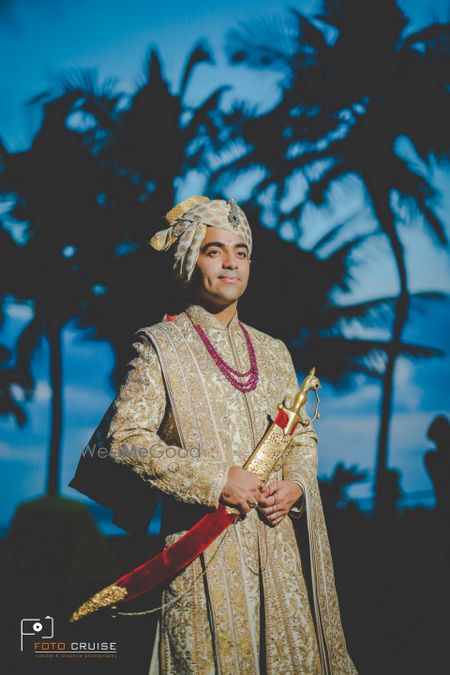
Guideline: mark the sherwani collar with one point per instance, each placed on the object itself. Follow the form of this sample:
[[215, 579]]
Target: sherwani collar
[[208, 321]]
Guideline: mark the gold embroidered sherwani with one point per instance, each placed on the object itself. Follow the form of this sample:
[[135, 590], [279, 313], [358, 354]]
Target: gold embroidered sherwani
[[242, 606]]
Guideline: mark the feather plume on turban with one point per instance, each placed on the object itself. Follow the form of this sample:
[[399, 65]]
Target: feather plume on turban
[[188, 221]]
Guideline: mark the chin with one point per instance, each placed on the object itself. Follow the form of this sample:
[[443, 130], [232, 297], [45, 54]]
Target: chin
[[230, 294], [223, 301], [222, 295], [220, 299]]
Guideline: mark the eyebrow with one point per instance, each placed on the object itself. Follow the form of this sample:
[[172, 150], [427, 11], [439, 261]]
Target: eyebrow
[[220, 244]]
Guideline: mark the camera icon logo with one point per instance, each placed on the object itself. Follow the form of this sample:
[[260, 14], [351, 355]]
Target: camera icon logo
[[42, 627]]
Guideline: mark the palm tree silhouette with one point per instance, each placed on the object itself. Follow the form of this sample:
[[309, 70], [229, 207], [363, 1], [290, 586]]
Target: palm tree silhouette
[[88, 195], [355, 85], [146, 143], [52, 199], [13, 381], [303, 309], [334, 489]]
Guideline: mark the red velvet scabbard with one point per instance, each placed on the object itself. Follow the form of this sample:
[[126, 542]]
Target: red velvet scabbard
[[170, 562], [175, 558]]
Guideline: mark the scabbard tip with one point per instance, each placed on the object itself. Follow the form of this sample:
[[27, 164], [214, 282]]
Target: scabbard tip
[[107, 597]]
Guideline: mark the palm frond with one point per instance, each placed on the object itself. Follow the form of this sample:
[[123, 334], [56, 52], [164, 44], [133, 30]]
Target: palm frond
[[202, 114], [232, 169], [339, 260], [87, 82], [264, 43], [421, 301], [339, 359], [201, 53], [433, 220], [333, 233], [153, 69], [9, 406], [430, 33], [308, 33], [374, 313], [318, 188]]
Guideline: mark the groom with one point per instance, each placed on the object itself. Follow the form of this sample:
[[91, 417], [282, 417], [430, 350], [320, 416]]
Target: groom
[[204, 380]]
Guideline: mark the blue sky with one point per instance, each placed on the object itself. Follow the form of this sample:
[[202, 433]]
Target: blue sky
[[37, 39]]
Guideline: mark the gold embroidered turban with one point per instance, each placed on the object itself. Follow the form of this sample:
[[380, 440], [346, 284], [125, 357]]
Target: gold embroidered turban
[[188, 222]]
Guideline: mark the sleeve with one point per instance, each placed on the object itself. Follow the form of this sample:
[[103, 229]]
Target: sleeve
[[133, 439], [301, 459]]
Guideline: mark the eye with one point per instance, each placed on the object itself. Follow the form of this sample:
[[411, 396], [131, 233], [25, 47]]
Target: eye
[[212, 252], [242, 254]]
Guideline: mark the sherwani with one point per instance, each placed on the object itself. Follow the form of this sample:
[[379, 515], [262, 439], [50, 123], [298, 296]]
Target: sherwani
[[242, 606]]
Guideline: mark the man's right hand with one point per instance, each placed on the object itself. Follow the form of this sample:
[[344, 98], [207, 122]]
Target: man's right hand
[[242, 489]]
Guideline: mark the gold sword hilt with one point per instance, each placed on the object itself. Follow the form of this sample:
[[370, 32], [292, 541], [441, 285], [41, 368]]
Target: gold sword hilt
[[270, 449], [310, 383]]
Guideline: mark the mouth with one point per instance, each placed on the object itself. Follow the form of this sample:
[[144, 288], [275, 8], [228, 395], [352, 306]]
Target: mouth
[[229, 279]]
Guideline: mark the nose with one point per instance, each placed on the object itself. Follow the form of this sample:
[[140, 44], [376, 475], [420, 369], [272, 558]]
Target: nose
[[230, 261]]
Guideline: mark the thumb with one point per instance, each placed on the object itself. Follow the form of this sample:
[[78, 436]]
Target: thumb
[[273, 487]]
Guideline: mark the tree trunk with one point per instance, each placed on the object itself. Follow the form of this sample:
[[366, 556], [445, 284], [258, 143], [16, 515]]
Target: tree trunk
[[54, 336], [386, 487]]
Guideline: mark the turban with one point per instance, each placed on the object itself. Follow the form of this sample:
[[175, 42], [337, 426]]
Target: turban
[[188, 221]]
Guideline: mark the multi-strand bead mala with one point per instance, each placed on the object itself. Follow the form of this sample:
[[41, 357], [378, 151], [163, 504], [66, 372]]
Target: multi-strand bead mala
[[230, 373]]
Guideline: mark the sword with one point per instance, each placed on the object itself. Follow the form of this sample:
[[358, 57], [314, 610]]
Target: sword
[[191, 544]]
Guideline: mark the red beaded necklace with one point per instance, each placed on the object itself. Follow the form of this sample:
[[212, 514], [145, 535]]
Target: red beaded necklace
[[231, 373]]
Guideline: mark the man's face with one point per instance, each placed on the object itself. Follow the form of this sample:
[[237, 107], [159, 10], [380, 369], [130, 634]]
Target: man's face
[[223, 267]]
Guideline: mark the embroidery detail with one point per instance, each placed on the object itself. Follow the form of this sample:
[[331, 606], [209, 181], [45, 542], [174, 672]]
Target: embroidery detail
[[143, 415], [233, 216]]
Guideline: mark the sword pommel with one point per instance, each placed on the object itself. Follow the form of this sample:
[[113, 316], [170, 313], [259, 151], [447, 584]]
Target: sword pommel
[[310, 383]]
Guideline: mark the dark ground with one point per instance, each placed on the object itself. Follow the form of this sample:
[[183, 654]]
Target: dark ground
[[392, 580]]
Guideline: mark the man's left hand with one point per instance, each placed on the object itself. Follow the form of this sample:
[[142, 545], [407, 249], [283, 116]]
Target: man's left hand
[[277, 500]]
